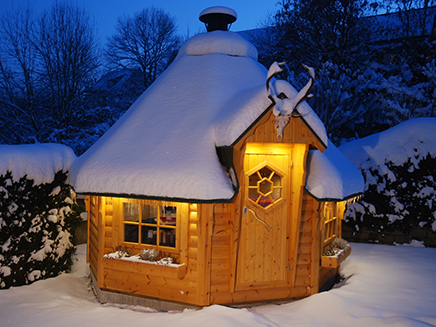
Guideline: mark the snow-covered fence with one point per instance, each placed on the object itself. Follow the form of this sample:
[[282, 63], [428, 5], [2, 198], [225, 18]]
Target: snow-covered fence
[[399, 166], [37, 213]]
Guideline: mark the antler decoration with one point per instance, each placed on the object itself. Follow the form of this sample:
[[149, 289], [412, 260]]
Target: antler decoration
[[304, 94], [274, 70], [284, 107]]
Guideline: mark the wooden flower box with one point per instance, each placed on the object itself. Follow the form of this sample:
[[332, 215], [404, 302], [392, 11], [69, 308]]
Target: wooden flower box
[[146, 268], [335, 261]]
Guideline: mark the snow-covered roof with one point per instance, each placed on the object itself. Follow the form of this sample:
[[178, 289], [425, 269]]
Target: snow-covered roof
[[164, 146], [39, 162], [331, 176], [230, 44]]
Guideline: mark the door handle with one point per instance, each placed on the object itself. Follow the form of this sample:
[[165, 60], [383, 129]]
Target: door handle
[[260, 220]]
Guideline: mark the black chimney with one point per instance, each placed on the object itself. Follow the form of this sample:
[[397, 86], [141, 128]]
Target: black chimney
[[218, 18]]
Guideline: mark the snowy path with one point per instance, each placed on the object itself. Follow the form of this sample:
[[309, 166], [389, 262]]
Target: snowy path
[[387, 286]]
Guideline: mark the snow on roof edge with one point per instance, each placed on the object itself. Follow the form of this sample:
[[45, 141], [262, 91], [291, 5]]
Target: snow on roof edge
[[313, 131], [326, 199], [331, 176], [161, 198]]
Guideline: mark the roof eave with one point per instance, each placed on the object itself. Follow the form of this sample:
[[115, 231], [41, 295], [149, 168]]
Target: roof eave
[[159, 198], [345, 198]]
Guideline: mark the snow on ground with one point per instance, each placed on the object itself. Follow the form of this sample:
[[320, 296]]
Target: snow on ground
[[385, 286]]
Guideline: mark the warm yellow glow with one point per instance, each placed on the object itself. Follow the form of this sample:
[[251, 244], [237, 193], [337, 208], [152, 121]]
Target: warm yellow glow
[[268, 148]]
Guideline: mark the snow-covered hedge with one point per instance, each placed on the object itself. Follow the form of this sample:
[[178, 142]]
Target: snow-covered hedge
[[399, 166], [37, 213]]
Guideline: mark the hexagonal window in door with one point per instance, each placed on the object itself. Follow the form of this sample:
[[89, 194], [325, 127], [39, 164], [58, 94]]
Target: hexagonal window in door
[[265, 187]]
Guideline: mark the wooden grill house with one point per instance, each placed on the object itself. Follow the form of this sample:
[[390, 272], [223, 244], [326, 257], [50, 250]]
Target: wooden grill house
[[208, 166]]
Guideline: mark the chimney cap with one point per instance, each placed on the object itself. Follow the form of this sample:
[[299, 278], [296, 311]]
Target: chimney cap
[[218, 18]]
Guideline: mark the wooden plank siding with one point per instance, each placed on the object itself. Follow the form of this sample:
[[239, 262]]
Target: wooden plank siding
[[304, 252], [204, 249], [221, 256]]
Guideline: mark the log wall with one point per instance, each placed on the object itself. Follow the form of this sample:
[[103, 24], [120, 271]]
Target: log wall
[[92, 245], [187, 283]]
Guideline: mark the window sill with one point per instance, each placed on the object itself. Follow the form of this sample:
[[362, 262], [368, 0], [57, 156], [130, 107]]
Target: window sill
[[143, 267], [335, 261]]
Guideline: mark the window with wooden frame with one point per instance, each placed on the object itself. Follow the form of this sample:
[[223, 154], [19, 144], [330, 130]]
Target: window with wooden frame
[[150, 225], [265, 187], [331, 223]]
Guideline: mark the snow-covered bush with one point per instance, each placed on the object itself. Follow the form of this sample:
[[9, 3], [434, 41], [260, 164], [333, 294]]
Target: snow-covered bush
[[402, 200], [36, 229], [38, 214], [399, 167]]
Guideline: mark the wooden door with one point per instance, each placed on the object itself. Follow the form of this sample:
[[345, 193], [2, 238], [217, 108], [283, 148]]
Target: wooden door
[[263, 254]]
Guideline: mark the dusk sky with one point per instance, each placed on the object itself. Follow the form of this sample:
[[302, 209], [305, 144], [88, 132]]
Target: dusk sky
[[250, 13]]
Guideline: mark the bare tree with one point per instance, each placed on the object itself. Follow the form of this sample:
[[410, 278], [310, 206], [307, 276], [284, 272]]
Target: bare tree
[[18, 76], [321, 29], [68, 57], [46, 65], [146, 41], [416, 16]]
